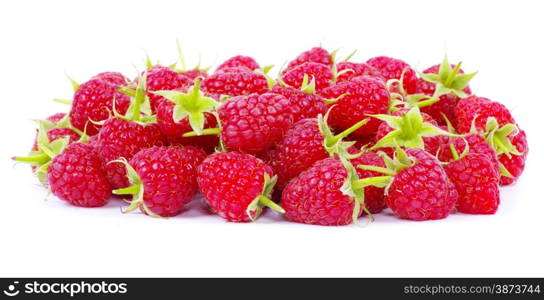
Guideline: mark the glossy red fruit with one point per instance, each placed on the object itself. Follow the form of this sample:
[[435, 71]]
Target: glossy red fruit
[[392, 68], [476, 145], [160, 78], [254, 123], [174, 131], [168, 177], [235, 185], [304, 105], [121, 138], [447, 103], [77, 176], [194, 74], [57, 132], [515, 164], [420, 191], [322, 74], [239, 61], [114, 78], [480, 109], [477, 182], [350, 70], [360, 97], [235, 81], [93, 101], [314, 196], [315, 55]]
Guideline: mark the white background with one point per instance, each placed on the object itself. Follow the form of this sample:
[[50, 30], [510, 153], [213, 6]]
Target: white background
[[41, 40]]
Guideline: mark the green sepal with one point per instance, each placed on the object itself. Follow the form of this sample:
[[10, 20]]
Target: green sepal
[[394, 165], [504, 172], [354, 192], [308, 86], [499, 137], [333, 143], [263, 199], [192, 105], [75, 84], [264, 71], [408, 130], [449, 80], [63, 101]]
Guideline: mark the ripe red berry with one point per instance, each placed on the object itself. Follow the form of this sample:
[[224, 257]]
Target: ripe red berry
[[357, 99], [515, 164], [76, 175], [163, 179], [235, 81], [114, 78], [349, 70], [93, 101], [194, 74], [476, 144], [160, 78], [374, 196], [322, 74], [315, 55], [392, 68], [304, 105], [480, 109], [236, 185], [56, 129], [239, 61]]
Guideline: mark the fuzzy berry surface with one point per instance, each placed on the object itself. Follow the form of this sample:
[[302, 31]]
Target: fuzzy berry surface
[[300, 148], [303, 105], [480, 109], [361, 96], [322, 74], [114, 78], [350, 70], [94, 101], [315, 55], [420, 192], [314, 197], [160, 78], [194, 74], [120, 138], [174, 131], [168, 175], [392, 68], [477, 181], [230, 181], [446, 104], [515, 164], [254, 123], [374, 196], [77, 176], [239, 61], [235, 82]]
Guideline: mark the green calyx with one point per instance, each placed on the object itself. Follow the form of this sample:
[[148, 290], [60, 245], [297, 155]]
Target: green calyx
[[269, 80], [499, 137], [136, 189], [399, 97], [449, 80], [255, 208], [334, 70], [192, 105], [181, 60], [140, 108], [333, 144], [408, 130], [75, 86], [42, 157]]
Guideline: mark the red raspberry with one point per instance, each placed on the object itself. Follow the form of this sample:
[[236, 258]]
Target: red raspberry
[[392, 68], [420, 191], [194, 74], [315, 55], [447, 103], [235, 82], [167, 176], [55, 132], [479, 108], [361, 97], [314, 197], [236, 185], [239, 61], [476, 145], [93, 101], [161, 78], [515, 163], [374, 196], [114, 78], [77, 176], [322, 75], [121, 138], [254, 123], [304, 105], [477, 182], [350, 70]]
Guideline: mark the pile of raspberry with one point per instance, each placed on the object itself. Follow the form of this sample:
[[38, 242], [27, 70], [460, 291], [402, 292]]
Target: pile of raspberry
[[326, 141]]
